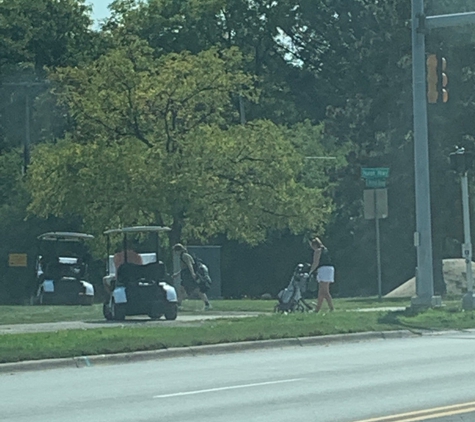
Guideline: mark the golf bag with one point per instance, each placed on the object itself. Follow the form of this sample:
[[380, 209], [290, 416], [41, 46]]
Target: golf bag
[[290, 298]]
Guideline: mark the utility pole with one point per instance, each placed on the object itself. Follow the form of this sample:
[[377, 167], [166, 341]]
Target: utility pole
[[27, 141], [461, 161], [423, 235], [26, 147]]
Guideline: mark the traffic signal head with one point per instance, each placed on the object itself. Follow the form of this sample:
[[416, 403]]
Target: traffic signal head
[[443, 79], [461, 160]]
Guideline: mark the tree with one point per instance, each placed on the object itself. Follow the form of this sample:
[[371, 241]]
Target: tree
[[35, 36], [44, 32], [267, 32], [156, 140]]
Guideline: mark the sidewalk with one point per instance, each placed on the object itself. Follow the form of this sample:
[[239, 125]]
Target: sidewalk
[[385, 309]]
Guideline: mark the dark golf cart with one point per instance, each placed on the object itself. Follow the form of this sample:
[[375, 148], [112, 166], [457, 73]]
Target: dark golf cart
[[61, 270], [137, 282]]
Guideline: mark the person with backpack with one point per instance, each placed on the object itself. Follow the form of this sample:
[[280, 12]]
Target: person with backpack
[[325, 272], [190, 280]]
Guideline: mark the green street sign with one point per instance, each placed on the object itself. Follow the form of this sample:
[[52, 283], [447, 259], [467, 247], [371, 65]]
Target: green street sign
[[375, 183], [375, 172]]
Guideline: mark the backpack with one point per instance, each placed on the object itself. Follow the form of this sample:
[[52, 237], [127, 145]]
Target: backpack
[[202, 272]]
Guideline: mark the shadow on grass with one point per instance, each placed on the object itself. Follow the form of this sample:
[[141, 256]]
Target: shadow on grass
[[393, 318], [125, 321]]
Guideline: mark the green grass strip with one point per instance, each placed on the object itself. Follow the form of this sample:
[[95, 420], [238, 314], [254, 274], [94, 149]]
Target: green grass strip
[[70, 343]]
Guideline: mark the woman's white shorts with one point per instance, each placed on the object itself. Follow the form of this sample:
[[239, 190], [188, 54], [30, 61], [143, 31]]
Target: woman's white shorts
[[326, 274]]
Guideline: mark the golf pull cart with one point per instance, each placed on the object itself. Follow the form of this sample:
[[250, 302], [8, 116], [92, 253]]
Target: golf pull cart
[[136, 282], [61, 270]]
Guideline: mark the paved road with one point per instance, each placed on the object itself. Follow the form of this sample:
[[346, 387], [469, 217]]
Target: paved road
[[130, 321], [429, 378]]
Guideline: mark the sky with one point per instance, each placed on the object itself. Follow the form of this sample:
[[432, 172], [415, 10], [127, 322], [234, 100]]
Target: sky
[[100, 10]]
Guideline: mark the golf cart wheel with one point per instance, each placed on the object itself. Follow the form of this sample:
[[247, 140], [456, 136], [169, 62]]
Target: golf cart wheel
[[106, 311], [118, 311], [171, 311], [156, 310]]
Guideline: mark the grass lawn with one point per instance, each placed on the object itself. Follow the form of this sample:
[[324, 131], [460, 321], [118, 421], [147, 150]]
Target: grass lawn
[[35, 314], [28, 346]]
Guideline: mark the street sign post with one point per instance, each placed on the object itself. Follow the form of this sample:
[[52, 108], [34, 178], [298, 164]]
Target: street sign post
[[375, 177], [375, 183], [374, 172], [376, 205]]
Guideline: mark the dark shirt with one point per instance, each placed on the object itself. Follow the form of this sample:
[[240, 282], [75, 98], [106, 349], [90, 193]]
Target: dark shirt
[[325, 259]]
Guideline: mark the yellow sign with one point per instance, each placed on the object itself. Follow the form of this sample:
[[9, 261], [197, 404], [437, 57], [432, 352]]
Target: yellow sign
[[17, 260]]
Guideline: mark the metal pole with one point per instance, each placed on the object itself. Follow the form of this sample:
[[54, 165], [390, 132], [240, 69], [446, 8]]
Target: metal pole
[[242, 111], [454, 19], [378, 246], [27, 142], [124, 244], [26, 146], [108, 243], [467, 302], [423, 236], [425, 277]]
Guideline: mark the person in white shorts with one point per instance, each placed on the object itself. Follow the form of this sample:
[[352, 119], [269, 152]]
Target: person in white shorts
[[325, 272]]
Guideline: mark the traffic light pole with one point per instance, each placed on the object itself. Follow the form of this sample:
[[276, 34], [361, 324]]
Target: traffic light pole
[[423, 236]]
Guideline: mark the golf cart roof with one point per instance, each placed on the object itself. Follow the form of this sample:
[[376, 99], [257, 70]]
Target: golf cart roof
[[139, 229], [65, 236]]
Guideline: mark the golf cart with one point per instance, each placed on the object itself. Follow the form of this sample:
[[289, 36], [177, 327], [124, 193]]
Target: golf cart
[[137, 282], [61, 270]]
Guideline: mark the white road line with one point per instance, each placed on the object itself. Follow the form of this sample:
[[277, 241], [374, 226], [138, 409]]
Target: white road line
[[233, 387]]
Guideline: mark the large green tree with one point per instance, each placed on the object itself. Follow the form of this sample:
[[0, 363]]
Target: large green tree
[[158, 140]]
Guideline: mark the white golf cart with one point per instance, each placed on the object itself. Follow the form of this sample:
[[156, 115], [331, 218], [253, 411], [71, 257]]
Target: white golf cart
[[61, 270], [137, 282]]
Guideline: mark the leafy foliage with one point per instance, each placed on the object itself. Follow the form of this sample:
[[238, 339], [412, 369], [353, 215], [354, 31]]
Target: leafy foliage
[[44, 32], [155, 141]]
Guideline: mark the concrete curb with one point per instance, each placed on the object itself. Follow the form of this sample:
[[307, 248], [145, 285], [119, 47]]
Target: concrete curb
[[110, 359]]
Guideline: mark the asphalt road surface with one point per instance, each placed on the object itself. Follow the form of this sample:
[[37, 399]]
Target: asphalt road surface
[[429, 378]]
